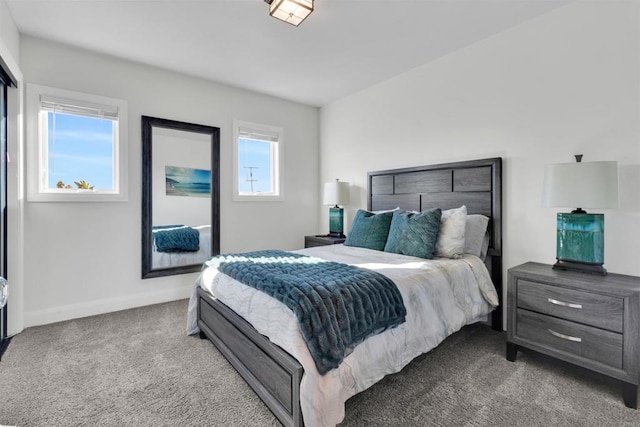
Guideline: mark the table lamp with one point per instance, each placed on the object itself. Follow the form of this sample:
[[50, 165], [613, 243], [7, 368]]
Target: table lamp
[[580, 235], [336, 193]]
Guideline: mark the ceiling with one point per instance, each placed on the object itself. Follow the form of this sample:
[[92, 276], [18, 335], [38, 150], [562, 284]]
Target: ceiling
[[343, 47]]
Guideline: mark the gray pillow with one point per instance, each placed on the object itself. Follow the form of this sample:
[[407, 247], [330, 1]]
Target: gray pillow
[[413, 233], [476, 238], [369, 230]]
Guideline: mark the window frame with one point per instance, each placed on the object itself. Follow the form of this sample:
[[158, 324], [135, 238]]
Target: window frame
[[37, 160], [277, 166]]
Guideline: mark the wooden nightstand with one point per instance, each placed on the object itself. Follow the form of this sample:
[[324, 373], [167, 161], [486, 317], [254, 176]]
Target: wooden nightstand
[[311, 241], [588, 320]]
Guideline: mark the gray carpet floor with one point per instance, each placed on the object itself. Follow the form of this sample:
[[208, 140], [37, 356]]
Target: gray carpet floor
[[138, 368]]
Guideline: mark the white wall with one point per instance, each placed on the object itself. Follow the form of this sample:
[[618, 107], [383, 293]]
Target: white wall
[[84, 258], [9, 34], [564, 83]]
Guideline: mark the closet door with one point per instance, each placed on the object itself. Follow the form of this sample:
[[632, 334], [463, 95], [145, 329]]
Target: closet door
[[5, 81]]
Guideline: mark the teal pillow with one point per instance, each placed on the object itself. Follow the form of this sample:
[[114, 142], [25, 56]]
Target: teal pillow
[[369, 230], [414, 233]]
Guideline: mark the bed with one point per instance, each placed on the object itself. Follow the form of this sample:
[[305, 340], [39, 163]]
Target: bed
[[175, 257], [287, 381]]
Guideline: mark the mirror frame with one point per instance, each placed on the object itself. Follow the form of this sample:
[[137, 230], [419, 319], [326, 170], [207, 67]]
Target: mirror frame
[[148, 123]]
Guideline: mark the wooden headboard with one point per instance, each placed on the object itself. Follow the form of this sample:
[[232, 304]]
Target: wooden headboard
[[477, 184]]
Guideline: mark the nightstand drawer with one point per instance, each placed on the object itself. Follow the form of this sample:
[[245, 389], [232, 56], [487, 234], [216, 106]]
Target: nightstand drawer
[[589, 308], [584, 341]]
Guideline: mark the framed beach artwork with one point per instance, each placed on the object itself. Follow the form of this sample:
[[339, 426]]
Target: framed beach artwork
[[181, 181]]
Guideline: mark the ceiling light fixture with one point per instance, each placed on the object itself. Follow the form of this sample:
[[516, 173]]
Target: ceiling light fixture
[[290, 11]]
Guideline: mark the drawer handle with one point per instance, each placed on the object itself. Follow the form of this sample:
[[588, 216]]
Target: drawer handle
[[563, 336], [564, 304]]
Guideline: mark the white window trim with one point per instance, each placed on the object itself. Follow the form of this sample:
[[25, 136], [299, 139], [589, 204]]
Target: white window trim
[[278, 176], [35, 158]]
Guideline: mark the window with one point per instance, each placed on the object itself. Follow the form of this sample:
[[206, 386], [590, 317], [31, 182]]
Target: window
[[81, 150], [257, 157]]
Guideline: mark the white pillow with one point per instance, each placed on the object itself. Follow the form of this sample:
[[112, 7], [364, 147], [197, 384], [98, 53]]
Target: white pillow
[[451, 236], [476, 239], [386, 210]]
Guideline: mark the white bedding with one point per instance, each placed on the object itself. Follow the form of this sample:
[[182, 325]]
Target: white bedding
[[175, 259], [441, 296]]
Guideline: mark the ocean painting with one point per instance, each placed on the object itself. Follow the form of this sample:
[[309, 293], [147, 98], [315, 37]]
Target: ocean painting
[[187, 182]]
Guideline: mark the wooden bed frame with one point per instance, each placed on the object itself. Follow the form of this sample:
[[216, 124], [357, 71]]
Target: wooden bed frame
[[274, 374]]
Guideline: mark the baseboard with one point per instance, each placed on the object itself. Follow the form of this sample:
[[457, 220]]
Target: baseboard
[[92, 308]]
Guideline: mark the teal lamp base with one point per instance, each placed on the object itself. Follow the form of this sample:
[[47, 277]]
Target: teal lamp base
[[580, 243], [336, 221]]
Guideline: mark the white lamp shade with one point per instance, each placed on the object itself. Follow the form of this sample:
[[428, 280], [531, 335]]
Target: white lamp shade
[[336, 193], [581, 185]]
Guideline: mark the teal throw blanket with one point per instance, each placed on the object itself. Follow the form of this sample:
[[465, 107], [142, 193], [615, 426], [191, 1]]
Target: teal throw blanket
[[337, 305], [176, 238]]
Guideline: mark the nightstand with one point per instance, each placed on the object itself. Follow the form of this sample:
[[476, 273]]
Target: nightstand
[[311, 241], [587, 320]]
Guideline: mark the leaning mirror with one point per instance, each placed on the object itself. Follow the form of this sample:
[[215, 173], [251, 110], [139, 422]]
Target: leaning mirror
[[180, 196]]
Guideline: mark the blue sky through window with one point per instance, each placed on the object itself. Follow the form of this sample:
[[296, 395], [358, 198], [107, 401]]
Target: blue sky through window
[[80, 148], [257, 155]]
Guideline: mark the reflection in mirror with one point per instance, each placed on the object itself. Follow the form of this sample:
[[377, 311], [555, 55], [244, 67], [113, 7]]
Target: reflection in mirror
[[180, 196]]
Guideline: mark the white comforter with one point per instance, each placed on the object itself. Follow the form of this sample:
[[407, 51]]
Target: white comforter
[[441, 296]]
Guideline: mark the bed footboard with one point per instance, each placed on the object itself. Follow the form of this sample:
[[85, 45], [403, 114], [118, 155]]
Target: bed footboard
[[270, 371]]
